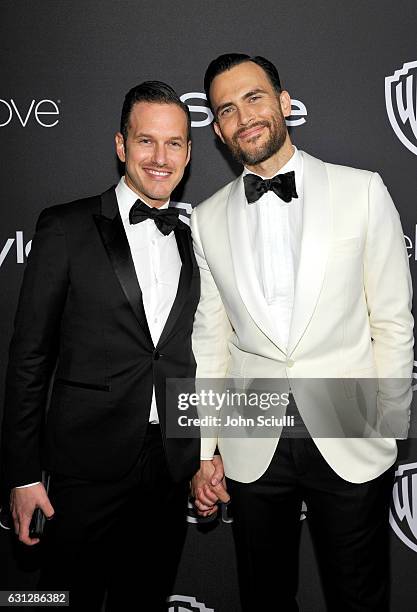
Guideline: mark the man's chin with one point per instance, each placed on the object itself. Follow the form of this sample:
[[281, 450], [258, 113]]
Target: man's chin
[[157, 199], [252, 158]]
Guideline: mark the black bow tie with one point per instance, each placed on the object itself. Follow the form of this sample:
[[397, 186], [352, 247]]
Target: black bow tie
[[283, 185], [165, 220]]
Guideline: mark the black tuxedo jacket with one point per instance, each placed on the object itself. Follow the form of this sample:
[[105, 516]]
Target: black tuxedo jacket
[[81, 324]]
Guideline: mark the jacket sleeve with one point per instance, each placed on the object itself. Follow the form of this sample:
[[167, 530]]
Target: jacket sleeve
[[34, 349], [211, 333], [389, 294]]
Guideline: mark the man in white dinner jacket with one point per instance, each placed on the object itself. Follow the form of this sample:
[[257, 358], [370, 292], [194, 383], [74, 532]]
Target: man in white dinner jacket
[[305, 281]]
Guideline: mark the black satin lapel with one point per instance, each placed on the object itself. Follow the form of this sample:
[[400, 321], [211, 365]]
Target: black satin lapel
[[109, 206], [184, 244], [117, 247]]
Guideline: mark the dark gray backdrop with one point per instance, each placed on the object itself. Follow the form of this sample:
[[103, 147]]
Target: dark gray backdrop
[[74, 61]]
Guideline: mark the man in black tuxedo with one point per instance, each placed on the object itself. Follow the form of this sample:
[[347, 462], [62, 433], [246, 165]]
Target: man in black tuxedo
[[106, 313]]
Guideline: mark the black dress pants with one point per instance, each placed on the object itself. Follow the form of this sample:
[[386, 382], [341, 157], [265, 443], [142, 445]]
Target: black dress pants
[[122, 537], [348, 523]]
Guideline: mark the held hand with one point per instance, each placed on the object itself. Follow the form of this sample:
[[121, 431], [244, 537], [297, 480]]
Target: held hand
[[23, 503], [208, 486]]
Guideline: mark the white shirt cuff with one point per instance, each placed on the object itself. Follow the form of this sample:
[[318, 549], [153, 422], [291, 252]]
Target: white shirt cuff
[[27, 485]]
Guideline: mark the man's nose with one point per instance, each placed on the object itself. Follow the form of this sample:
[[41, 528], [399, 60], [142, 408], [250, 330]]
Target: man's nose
[[244, 115], [159, 156]]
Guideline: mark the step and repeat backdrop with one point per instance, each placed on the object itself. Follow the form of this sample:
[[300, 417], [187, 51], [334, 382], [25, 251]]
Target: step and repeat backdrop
[[351, 69]]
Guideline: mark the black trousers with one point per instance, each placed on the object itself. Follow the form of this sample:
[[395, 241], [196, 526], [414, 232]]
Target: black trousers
[[348, 523], [122, 537]]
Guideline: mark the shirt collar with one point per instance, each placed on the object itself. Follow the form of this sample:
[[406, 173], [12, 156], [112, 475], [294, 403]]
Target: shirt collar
[[126, 197]]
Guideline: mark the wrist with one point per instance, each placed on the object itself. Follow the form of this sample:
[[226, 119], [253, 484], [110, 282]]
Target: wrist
[[206, 467]]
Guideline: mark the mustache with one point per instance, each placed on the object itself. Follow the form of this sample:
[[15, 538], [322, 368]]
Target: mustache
[[250, 127]]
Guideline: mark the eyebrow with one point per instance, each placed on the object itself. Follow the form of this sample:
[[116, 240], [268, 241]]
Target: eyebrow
[[244, 97]]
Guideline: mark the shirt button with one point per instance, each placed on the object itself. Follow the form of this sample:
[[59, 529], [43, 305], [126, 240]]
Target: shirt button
[[153, 241], [290, 363]]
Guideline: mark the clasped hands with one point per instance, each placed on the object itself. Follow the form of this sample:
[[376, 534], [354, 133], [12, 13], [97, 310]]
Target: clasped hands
[[208, 486]]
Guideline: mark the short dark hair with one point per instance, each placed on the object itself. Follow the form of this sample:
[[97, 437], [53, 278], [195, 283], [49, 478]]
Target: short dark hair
[[151, 91], [228, 60]]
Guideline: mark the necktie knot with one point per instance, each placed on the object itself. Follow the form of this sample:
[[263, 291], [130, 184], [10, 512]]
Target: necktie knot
[[165, 220], [283, 185]]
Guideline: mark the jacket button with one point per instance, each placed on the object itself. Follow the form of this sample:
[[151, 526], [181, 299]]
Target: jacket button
[[290, 363], [155, 355]]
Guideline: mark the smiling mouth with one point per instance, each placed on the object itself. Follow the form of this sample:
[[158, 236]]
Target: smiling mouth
[[251, 133], [158, 174]]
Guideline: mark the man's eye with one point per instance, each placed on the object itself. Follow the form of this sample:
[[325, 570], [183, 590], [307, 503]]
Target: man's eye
[[176, 145], [144, 140], [253, 98]]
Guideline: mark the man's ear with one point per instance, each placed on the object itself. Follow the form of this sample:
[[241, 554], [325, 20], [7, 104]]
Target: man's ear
[[120, 147], [218, 131], [189, 152], [285, 101]]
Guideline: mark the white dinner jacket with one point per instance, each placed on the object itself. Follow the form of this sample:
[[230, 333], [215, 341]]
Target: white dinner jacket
[[351, 317]]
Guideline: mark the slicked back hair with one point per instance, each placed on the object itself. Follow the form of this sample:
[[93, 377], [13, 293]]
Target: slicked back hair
[[228, 60], [155, 92]]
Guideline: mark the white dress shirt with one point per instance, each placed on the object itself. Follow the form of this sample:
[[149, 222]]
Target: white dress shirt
[[157, 265], [275, 229]]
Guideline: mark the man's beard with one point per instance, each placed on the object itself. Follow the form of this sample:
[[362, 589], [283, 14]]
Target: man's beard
[[277, 136]]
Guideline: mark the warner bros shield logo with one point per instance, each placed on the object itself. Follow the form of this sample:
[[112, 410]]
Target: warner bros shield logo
[[183, 603], [401, 103], [403, 512]]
